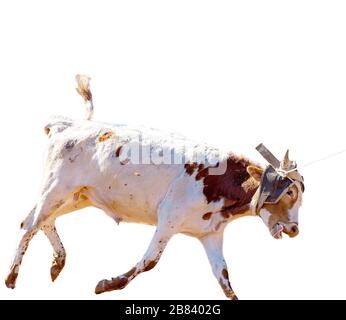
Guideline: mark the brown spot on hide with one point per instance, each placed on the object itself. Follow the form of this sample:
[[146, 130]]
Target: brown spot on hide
[[46, 130], [22, 225], [229, 184], [105, 136], [117, 151], [241, 210], [226, 212], [228, 204], [76, 196], [58, 205], [225, 274], [207, 216], [128, 274], [150, 265], [202, 172], [190, 168], [83, 197]]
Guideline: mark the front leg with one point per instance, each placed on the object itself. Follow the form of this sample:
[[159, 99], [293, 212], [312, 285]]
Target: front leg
[[213, 247]]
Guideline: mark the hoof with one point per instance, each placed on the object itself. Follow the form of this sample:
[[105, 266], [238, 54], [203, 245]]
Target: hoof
[[102, 286], [11, 280], [110, 285], [234, 297], [56, 268]]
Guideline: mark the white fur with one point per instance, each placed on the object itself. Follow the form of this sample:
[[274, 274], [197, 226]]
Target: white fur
[[82, 171]]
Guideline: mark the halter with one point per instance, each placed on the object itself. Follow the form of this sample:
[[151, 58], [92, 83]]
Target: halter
[[277, 179]]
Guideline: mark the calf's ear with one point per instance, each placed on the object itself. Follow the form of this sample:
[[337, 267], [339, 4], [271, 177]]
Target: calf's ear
[[255, 172]]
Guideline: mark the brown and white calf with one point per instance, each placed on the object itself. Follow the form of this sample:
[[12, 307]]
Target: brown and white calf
[[94, 164]]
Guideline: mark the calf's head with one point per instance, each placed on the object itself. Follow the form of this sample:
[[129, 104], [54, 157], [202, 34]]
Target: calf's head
[[279, 197]]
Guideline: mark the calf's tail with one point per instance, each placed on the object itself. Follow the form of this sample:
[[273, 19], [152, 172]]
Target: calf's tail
[[83, 88]]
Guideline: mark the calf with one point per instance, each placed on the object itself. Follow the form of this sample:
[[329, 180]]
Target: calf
[[144, 176]]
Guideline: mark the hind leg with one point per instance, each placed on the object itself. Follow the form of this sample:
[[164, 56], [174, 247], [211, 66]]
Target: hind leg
[[27, 235], [75, 201], [43, 214], [59, 253]]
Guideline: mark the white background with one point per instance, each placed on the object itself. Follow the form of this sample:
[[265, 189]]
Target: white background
[[230, 73]]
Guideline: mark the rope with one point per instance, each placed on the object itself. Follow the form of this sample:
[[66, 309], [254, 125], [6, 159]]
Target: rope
[[332, 155]]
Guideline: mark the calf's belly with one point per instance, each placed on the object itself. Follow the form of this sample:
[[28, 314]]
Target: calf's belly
[[136, 191]]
